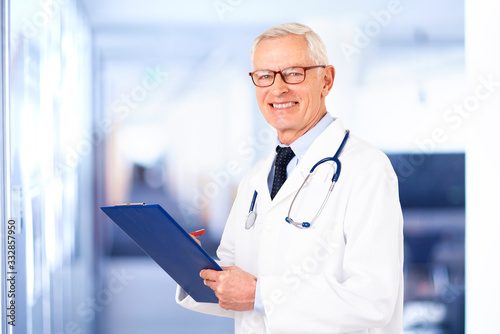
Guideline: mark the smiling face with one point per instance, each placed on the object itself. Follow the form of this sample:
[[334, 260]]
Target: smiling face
[[292, 109]]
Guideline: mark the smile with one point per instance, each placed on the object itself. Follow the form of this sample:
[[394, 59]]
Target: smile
[[283, 105]]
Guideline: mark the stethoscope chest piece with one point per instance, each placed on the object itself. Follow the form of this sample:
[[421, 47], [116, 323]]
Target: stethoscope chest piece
[[250, 219]]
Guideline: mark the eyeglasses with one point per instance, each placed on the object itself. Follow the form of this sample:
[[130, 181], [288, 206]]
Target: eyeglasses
[[290, 75]]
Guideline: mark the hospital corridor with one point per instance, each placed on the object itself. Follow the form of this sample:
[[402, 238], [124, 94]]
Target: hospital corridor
[[122, 102]]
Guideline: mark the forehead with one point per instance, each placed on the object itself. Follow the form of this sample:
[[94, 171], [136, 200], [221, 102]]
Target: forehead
[[282, 52]]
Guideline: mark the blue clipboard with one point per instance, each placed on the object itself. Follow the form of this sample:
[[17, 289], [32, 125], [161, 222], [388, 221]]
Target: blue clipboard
[[168, 244]]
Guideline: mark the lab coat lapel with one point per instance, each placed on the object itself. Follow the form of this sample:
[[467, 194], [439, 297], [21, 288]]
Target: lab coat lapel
[[259, 183], [324, 146]]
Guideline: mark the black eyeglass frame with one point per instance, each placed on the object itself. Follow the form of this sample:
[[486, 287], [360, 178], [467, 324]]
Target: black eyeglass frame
[[305, 68]]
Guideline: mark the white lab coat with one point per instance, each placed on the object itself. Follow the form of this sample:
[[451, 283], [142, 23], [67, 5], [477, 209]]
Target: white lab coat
[[342, 275]]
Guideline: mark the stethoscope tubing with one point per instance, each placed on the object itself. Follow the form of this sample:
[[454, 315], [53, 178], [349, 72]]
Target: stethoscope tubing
[[335, 158], [252, 216]]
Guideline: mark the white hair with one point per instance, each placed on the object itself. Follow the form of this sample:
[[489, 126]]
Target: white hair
[[317, 49]]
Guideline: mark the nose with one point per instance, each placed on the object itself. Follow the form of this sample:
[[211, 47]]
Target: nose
[[279, 86]]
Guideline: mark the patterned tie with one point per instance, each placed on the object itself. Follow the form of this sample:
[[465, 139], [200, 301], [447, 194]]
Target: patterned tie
[[283, 157]]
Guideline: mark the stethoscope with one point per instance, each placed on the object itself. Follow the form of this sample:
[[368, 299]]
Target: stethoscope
[[252, 216]]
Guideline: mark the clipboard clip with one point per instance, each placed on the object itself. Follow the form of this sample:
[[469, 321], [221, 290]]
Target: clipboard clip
[[128, 204]]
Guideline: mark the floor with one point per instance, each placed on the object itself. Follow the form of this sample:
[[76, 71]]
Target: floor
[[140, 299]]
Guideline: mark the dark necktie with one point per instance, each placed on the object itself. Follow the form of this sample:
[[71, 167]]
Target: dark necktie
[[283, 157]]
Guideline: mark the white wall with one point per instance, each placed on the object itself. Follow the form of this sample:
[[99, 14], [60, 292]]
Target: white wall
[[483, 165]]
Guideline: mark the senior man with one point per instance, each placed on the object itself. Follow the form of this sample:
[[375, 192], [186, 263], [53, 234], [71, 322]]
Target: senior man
[[322, 255]]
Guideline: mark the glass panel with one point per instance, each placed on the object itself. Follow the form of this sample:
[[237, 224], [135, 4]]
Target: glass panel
[[432, 193], [51, 164]]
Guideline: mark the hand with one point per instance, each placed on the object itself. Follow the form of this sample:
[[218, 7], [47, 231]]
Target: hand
[[196, 234], [234, 287], [196, 239]]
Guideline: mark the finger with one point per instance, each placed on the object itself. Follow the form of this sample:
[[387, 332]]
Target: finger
[[195, 239], [208, 274], [211, 284]]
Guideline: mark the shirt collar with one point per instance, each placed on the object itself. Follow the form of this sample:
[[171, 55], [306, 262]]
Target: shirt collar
[[302, 144]]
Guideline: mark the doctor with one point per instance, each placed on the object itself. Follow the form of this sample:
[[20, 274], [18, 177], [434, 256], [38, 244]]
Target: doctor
[[341, 271]]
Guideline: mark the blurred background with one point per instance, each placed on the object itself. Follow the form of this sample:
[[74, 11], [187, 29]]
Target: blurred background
[[108, 101]]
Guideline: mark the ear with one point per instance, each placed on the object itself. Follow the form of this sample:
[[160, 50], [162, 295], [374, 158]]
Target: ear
[[328, 78]]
